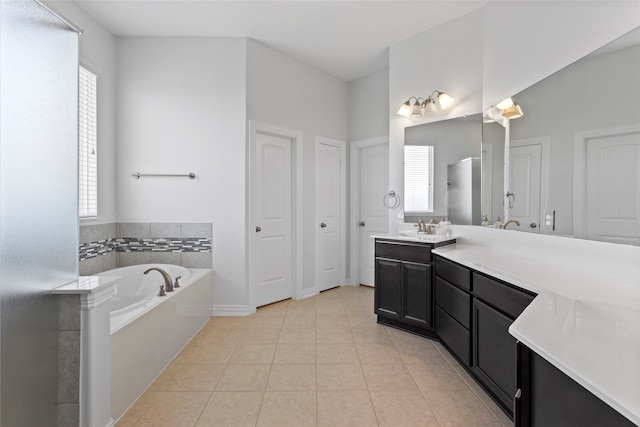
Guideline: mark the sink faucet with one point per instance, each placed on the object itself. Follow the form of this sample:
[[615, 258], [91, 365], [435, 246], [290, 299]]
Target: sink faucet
[[167, 279], [515, 221]]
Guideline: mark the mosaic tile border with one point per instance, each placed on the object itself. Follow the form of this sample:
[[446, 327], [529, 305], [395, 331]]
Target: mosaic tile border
[[94, 249], [133, 244]]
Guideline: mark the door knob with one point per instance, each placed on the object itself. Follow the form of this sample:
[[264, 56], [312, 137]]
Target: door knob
[[323, 225], [258, 229], [533, 225], [361, 224]]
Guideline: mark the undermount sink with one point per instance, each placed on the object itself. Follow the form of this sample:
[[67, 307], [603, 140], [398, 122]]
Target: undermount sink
[[422, 236]]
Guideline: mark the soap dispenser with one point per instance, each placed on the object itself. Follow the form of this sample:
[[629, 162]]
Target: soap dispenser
[[498, 222]]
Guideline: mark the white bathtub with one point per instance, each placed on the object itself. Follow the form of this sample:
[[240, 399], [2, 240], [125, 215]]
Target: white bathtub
[[148, 331]]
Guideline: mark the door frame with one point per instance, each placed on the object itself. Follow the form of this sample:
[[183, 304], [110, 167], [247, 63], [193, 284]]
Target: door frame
[[545, 157], [342, 145], [354, 170], [580, 141], [295, 136]]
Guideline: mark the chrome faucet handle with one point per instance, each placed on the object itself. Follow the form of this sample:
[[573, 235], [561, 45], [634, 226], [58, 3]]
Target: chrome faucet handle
[[176, 284], [161, 293]]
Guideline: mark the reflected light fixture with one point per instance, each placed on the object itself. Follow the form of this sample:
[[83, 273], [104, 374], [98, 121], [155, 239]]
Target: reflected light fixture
[[426, 106], [513, 112], [504, 104]]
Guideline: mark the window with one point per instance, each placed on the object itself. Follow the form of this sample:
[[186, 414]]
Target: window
[[418, 178], [88, 139]]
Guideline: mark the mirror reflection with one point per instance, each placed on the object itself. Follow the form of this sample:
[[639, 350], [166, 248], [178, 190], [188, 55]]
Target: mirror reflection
[[572, 160], [443, 185]]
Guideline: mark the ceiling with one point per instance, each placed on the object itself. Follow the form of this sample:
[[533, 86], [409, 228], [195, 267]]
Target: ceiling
[[345, 38]]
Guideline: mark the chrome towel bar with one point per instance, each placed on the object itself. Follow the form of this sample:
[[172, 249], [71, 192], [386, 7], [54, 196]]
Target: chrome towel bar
[[137, 175]]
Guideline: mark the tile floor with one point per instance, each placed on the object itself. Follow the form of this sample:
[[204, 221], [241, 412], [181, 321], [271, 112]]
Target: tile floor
[[322, 361]]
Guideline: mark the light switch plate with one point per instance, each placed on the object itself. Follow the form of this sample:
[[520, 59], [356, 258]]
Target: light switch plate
[[549, 220]]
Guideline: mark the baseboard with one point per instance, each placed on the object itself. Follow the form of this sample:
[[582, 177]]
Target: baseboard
[[307, 293], [231, 310]]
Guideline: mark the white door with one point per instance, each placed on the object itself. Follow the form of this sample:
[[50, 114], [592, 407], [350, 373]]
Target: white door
[[271, 214], [524, 183], [329, 216], [374, 176], [613, 178]]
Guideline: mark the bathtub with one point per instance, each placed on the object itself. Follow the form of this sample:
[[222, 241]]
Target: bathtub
[[148, 331]]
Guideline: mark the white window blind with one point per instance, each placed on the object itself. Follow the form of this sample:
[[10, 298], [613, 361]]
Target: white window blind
[[418, 178], [88, 138]]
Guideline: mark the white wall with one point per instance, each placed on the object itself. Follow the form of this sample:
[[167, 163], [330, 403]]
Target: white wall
[[98, 54], [285, 92], [181, 108], [447, 58], [369, 106], [525, 41]]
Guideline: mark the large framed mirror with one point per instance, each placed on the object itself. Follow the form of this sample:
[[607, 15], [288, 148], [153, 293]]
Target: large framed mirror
[[572, 162]]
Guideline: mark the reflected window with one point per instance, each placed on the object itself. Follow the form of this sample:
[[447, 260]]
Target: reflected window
[[418, 178], [88, 145]]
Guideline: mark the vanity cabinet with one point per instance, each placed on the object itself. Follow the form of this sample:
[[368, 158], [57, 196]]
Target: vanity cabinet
[[404, 285], [496, 305], [550, 398]]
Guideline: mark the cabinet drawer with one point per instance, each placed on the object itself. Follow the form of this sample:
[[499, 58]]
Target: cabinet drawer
[[457, 338], [454, 301], [403, 251], [502, 296], [454, 273]]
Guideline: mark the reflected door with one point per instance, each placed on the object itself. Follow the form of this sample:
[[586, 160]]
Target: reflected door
[[524, 183], [374, 172], [613, 178]]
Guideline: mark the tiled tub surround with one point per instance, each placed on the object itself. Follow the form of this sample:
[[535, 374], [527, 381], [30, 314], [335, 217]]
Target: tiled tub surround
[[586, 317], [107, 246]]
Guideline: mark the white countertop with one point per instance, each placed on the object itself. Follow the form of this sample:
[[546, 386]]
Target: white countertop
[[413, 236], [586, 323], [86, 285]]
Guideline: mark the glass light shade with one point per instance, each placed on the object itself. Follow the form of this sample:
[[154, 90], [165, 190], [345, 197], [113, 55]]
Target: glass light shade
[[505, 103], [430, 106], [445, 100], [416, 111], [513, 112], [405, 110]]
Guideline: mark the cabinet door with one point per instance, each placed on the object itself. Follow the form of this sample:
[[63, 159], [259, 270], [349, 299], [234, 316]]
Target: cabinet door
[[387, 287], [494, 353], [417, 294]]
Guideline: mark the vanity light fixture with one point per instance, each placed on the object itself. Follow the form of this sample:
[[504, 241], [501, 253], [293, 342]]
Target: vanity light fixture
[[426, 106], [504, 104]]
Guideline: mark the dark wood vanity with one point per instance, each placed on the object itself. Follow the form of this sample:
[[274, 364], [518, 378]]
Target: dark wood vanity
[[470, 313]]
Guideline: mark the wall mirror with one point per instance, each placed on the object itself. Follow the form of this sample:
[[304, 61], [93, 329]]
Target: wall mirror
[[573, 159], [453, 141]]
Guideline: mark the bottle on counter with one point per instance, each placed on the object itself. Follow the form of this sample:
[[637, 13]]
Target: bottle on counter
[[485, 221], [445, 228], [498, 223]]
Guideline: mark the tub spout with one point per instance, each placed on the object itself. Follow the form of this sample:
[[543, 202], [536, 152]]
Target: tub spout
[[168, 286]]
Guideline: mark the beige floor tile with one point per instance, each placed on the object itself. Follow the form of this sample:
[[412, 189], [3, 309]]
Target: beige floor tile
[[231, 409], [259, 336], [334, 336], [420, 352], [267, 322], [288, 409], [437, 377], [340, 377], [388, 377], [371, 336], [169, 409], [253, 354], [195, 378], [363, 321], [212, 354], [289, 354], [218, 336], [457, 408], [292, 378], [337, 353], [276, 307], [184, 356], [300, 321], [345, 408], [297, 336], [402, 409], [378, 353], [331, 321], [244, 378], [231, 322], [162, 381], [330, 309]]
